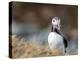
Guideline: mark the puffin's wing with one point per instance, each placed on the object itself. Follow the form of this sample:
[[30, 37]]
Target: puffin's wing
[[65, 40]]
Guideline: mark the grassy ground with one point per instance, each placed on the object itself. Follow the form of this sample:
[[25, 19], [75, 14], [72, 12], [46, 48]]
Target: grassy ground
[[21, 49]]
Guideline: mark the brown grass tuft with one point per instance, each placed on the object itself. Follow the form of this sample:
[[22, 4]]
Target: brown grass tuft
[[21, 49]]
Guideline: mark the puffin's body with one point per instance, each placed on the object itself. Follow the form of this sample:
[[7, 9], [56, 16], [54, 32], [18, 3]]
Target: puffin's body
[[56, 39]]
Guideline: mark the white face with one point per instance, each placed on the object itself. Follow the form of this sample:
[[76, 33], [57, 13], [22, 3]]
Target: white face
[[56, 22]]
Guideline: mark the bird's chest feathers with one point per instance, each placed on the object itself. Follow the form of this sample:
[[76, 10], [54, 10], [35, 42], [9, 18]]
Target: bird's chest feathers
[[55, 38]]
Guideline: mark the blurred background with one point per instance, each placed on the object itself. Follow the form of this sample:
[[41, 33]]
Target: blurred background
[[32, 22]]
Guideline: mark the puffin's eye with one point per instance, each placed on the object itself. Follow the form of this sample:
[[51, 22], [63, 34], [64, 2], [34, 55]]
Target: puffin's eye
[[53, 20]]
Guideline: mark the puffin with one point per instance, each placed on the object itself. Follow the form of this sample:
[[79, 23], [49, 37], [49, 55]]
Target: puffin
[[56, 39]]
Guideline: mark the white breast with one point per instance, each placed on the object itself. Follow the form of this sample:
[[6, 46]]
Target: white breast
[[55, 41]]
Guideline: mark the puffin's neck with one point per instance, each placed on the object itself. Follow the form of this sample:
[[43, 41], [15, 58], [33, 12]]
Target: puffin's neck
[[54, 29]]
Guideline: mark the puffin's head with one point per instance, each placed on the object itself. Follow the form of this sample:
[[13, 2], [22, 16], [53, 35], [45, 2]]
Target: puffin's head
[[56, 22]]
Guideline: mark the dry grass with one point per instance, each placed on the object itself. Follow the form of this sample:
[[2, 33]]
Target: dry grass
[[21, 49]]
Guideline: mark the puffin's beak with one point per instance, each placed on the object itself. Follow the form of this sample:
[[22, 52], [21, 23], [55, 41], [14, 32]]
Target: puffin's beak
[[59, 27]]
